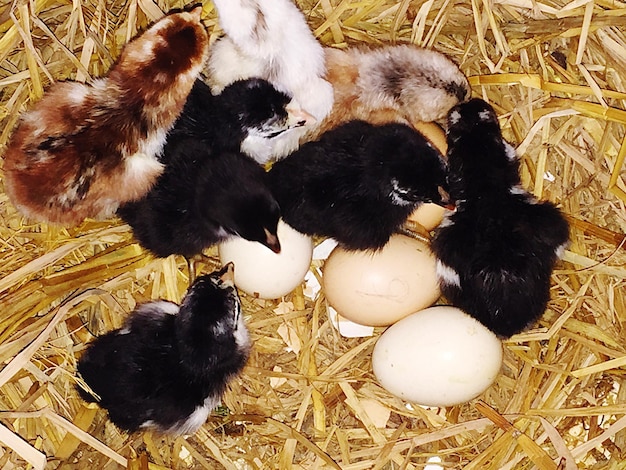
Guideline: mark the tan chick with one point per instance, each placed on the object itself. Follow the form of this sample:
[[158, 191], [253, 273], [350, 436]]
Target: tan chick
[[393, 83], [84, 149]]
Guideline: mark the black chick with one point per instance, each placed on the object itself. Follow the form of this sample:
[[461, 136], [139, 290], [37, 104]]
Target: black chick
[[496, 252], [246, 108], [210, 190], [358, 183], [169, 365]]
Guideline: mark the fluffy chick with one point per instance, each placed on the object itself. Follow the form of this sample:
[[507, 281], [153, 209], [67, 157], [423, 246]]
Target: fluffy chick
[[83, 149], [496, 252], [391, 83], [209, 190], [358, 183], [169, 365], [399, 83], [271, 39]]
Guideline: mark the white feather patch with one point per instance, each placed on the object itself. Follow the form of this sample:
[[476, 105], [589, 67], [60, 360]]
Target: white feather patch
[[263, 149], [242, 338], [168, 307], [447, 221], [447, 275], [141, 165], [78, 94], [197, 418], [511, 154], [560, 250], [455, 117], [154, 143], [221, 233], [398, 194], [518, 191], [484, 115], [159, 307]]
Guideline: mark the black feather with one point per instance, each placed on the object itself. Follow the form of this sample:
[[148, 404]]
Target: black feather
[[209, 190], [158, 369], [358, 183], [496, 252]]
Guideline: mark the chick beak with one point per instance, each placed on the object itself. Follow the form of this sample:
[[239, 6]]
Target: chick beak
[[271, 241], [228, 274], [298, 117], [445, 199]]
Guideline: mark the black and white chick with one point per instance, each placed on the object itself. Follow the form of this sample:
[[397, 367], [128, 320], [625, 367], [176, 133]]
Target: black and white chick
[[358, 183], [271, 39], [169, 365], [496, 252], [209, 190]]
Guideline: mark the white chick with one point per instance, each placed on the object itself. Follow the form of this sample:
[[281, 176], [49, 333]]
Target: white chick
[[270, 39]]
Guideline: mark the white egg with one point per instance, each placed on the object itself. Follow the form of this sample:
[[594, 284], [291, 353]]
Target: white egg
[[261, 272], [439, 356], [378, 288]]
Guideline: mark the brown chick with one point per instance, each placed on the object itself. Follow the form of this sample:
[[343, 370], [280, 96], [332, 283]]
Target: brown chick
[[84, 149], [399, 83]]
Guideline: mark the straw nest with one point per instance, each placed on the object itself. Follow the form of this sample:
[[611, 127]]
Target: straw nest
[[555, 72]]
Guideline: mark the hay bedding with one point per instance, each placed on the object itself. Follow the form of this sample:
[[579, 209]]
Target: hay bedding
[[555, 72]]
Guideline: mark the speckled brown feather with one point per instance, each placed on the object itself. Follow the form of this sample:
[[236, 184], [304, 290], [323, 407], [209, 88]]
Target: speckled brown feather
[[84, 149], [358, 96]]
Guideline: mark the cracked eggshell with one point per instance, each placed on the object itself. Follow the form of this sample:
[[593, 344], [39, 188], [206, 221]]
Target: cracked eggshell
[[428, 215], [378, 288], [264, 274], [439, 356]]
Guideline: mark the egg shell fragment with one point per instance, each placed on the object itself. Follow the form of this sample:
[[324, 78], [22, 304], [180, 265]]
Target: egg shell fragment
[[434, 133], [428, 215], [262, 273], [378, 288], [439, 356]]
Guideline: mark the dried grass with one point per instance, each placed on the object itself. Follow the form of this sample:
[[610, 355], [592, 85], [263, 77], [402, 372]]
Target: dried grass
[[556, 73]]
